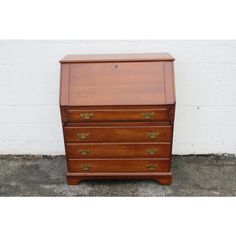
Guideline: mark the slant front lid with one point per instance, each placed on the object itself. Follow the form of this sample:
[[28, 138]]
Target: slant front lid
[[117, 83]]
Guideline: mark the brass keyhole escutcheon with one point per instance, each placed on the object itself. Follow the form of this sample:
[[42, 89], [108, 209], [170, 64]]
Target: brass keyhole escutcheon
[[86, 116], [152, 135], [152, 151], [83, 136], [86, 167], [84, 152], [151, 166], [148, 115]]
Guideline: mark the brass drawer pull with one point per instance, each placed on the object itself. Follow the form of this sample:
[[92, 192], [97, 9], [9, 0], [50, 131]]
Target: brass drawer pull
[[152, 134], [152, 151], [84, 152], [151, 166], [83, 136], [148, 115], [86, 167], [86, 116]]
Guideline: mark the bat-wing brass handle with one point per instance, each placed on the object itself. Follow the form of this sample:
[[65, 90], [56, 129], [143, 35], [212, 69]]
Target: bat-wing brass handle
[[151, 166], [148, 115], [86, 167], [152, 151], [86, 116], [84, 152], [152, 135], [83, 136]]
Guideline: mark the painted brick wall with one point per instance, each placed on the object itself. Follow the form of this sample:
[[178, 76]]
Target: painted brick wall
[[205, 87]]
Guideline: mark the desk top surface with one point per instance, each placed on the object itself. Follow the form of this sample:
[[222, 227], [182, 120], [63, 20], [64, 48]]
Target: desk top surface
[[117, 57]]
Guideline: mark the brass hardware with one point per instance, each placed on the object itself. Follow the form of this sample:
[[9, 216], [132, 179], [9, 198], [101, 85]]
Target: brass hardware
[[152, 151], [86, 167], [152, 134], [83, 136], [151, 166], [148, 115], [86, 116], [84, 152]]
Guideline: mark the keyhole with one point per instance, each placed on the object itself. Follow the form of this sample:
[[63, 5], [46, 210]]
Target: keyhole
[[116, 66]]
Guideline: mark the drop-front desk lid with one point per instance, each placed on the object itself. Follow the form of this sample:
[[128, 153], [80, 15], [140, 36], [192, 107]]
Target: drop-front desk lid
[[117, 79]]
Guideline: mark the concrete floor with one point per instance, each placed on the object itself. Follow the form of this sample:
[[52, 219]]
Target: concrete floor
[[45, 176]]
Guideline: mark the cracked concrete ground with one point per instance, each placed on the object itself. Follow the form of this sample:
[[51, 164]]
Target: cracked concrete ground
[[45, 176]]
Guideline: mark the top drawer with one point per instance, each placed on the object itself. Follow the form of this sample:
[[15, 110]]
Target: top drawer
[[76, 115]]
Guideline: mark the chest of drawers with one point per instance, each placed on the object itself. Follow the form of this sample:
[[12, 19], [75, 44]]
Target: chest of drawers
[[117, 114]]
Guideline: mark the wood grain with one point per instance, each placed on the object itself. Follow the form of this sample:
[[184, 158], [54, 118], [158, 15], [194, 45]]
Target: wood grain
[[120, 150], [117, 57], [119, 134], [118, 165], [103, 99], [131, 83], [64, 84], [164, 178], [75, 115], [169, 83]]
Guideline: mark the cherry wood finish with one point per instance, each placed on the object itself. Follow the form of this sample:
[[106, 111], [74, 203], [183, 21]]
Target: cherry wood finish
[[118, 165], [102, 83], [117, 57], [164, 178], [117, 113], [118, 134], [169, 83], [116, 150], [75, 115], [64, 91]]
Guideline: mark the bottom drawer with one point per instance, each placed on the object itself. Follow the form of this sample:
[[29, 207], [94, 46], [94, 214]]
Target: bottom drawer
[[119, 165]]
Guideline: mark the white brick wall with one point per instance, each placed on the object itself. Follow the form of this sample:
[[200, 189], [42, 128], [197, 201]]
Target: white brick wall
[[205, 89]]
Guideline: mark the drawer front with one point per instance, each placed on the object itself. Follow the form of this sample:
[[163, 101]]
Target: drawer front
[[117, 165], [118, 134], [134, 150], [117, 115]]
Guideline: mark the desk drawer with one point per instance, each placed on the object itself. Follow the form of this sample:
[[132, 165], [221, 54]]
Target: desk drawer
[[117, 115], [118, 134], [109, 150], [117, 165]]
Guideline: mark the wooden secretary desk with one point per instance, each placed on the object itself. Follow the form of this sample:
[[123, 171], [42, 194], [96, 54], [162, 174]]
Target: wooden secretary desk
[[117, 113]]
